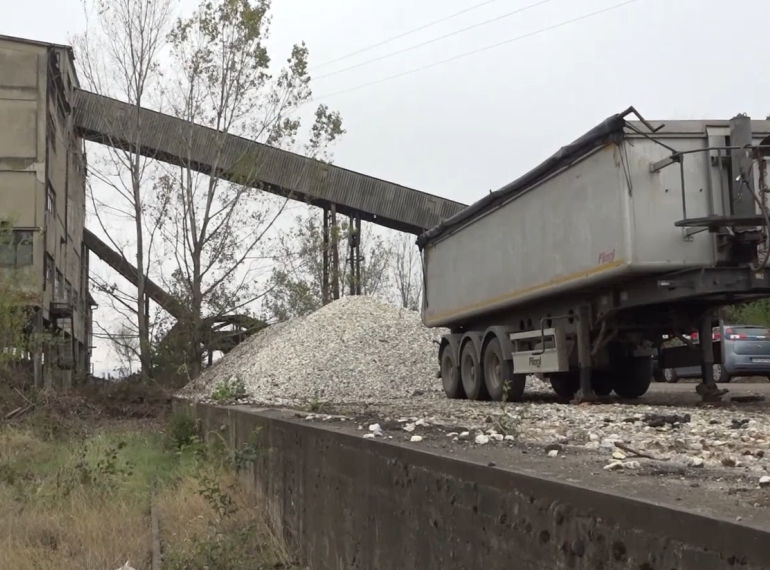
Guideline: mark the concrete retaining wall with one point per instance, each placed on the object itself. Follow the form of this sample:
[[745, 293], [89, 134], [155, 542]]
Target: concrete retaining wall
[[354, 503]]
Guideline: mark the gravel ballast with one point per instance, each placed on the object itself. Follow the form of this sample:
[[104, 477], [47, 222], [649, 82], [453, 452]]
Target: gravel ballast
[[356, 349]]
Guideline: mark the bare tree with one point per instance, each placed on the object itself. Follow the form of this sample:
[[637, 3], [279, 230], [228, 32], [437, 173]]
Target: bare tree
[[120, 58], [223, 81], [407, 272]]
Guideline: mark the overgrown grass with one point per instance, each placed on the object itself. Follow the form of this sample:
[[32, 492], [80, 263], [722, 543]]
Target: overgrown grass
[[81, 500]]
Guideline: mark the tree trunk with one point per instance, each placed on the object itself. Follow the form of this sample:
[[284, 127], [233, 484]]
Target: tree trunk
[[145, 351]]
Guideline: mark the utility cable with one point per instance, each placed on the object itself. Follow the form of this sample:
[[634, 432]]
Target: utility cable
[[434, 40], [474, 52], [410, 32]]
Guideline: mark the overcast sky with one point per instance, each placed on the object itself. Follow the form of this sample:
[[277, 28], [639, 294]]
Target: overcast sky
[[473, 124]]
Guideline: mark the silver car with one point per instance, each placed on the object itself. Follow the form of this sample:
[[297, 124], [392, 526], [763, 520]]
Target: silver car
[[745, 352]]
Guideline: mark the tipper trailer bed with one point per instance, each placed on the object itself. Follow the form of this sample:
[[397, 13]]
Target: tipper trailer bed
[[578, 269]]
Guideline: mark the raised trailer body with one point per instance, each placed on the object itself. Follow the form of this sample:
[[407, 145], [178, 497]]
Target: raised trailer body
[[596, 219], [607, 228]]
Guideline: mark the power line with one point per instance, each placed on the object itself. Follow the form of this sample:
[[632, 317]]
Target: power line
[[474, 52], [387, 55], [431, 24]]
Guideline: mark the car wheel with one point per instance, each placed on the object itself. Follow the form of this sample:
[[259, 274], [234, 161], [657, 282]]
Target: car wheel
[[720, 375], [670, 375]]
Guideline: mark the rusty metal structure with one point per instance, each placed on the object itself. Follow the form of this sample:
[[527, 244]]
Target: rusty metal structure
[[220, 333]]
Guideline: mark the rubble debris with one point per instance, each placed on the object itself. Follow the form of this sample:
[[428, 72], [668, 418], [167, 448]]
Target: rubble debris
[[747, 399], [661, 420]]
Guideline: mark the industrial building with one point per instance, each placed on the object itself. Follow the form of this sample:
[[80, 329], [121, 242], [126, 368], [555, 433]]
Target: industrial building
[[43, 202]]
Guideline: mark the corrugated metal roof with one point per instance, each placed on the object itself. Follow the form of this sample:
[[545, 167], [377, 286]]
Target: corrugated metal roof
[[109, 121]]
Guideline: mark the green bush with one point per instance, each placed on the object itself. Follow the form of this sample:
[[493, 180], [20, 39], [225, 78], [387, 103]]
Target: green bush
[[182, 431], [229, 390]]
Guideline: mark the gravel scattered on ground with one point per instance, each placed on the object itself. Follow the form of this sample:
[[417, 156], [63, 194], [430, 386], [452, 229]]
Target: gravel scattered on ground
[[362, 358], [356, 349], [625, 436]]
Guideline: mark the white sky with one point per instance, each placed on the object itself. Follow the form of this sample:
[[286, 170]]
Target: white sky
[[471, 125]]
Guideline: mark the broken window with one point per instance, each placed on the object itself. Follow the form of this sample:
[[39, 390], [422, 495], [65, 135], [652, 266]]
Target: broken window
[[50, 199], [48, 269], [15, 248]]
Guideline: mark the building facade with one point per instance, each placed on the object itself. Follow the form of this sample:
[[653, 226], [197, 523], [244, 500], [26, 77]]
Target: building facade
[[43, 203]]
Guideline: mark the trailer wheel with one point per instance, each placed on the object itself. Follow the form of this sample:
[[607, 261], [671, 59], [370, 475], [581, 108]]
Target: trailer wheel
[[499, 378], [632, 377], [471, 373], [565, 384], [450, 375], [601, 382]]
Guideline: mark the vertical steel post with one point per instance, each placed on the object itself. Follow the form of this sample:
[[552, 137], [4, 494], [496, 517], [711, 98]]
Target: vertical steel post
[[335, 254], [358, 254], [352, 254], [325, 288]]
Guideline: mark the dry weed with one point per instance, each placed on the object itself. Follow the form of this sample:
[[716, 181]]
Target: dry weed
[[83, 531], [197, 531], [81, 502]]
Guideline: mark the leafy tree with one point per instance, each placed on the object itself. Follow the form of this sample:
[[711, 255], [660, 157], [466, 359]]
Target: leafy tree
[[222, 79]]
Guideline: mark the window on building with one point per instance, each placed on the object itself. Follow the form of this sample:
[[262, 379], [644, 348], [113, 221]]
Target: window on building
[[50, 199], [48, 269], [15, 247]]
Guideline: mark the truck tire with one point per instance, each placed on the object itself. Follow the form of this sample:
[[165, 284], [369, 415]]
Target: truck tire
[[471, 373], [450, 375], [565, 384], [632, 377], [499, 379], [601, 382]]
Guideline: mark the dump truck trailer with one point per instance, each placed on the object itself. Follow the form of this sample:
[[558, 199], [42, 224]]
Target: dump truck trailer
[[577, 270]]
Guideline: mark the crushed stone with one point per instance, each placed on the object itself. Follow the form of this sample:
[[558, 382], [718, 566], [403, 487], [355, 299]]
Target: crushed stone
[[356, 349]]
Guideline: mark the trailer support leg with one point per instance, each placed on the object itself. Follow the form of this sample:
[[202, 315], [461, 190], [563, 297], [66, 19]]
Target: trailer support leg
[[707, 389], [586, 391]]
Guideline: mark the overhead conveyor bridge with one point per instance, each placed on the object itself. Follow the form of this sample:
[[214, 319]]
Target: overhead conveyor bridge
[[169, 139]]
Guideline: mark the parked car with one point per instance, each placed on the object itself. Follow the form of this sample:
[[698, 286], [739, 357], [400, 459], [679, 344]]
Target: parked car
[[745, 352]]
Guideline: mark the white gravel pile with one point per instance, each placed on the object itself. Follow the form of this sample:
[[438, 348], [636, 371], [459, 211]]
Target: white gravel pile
[[357, 349]]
